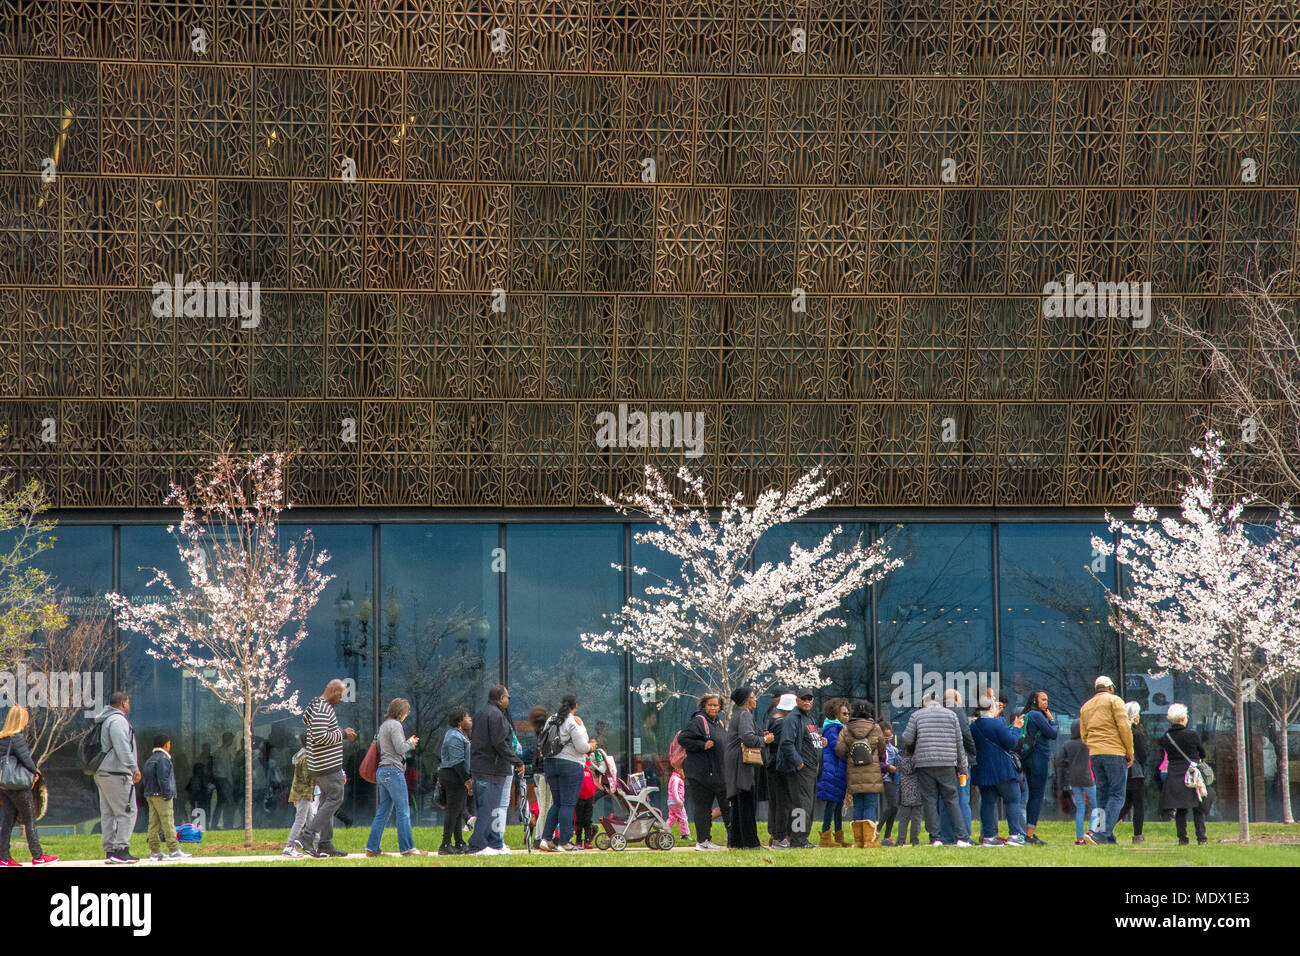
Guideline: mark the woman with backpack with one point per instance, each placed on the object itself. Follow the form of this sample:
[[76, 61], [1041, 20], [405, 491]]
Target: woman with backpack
[[1182, 747], [833, 782], [18, 803], [564, 745], [704, 739], [1036, 758], [861, 747]]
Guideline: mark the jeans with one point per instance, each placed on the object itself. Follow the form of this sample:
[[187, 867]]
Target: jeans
[[564, 777], [889, 808], [963, 801], [1111, 773], [939, 786], [1036, 778], [1009, 791], [391, 783], [320, 828], [490, 823], [1079, 809], [302, 813], [865, 806], [833, 815]]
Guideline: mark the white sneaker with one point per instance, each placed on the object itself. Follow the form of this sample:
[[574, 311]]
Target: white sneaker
[[486, 851], [1015, 840], [292, 853], [179, 854], [570, 848], [504, 851], [546, 846], [990, 841], [707, 845], [936, 843], [963, 842], [157, 855]]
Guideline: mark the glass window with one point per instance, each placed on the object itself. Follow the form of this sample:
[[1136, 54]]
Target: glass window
[[442, 647], [935, 615], [559, 584]]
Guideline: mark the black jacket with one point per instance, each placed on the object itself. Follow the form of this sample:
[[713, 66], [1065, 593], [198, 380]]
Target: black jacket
[[492, 754], [796, 743], [704, 765], [1139, 769], [20, 750], [1073, 763]]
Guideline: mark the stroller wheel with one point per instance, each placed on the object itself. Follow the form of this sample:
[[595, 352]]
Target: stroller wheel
[[618, 842], [665, 841], [601, 841]]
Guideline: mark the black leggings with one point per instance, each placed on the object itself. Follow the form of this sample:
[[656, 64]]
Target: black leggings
[[1198, 818], [451, 819], [583, 831], [701, 796], [18, 805], [1135, 798]]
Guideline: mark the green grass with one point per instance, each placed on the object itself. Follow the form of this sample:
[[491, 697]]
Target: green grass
[[1161, 849]]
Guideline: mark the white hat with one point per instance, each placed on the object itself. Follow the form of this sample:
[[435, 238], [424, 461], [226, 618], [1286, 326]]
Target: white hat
[[787, 703], [1102, 681]]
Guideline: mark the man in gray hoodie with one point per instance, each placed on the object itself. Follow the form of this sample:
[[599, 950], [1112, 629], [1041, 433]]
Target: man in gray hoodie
[[116, 779], [935, 731]]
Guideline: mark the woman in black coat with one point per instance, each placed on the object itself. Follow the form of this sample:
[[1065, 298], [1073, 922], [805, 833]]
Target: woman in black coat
[[1181, 746], [1135, 790], [704, 739], [18, 805], [740, 775]]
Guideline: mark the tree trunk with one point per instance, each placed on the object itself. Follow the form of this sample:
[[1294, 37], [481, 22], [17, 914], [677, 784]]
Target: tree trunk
[[1239, 715], [1284, 777], [248, 769]]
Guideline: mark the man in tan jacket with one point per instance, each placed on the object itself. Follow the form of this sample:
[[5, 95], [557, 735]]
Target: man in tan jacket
[[1108, 734]]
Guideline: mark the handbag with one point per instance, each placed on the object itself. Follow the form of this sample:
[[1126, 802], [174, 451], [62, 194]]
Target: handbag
[[1198, 775], [751, 755], [13, 775], [370, 763]]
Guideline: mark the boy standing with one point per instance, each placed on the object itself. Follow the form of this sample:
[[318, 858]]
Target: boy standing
[[159, 791]]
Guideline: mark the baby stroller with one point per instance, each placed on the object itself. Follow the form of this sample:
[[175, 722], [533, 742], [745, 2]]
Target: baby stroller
[[640, 821]]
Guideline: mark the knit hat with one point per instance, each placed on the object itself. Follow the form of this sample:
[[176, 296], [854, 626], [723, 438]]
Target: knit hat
[[741, 694]]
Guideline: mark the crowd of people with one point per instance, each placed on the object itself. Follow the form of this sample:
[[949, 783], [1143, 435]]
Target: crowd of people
[[848, 760]]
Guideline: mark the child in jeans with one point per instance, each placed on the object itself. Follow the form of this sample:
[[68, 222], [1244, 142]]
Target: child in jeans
[[909, 800], [677, 802], [303, 794], [159, 781]]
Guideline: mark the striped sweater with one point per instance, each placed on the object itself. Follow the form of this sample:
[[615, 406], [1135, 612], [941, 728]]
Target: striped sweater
[[324, 738]]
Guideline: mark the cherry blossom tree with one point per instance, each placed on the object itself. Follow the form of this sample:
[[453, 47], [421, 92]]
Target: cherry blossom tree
[[227, 627], [727, 622], [1209, 594]]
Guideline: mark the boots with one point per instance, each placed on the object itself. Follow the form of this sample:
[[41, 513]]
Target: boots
[[839, 838], [869, 835], [859, 840], [827, 840]]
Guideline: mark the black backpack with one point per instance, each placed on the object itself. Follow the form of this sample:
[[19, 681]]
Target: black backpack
[[861, 753], [549, 743], [90, 749]]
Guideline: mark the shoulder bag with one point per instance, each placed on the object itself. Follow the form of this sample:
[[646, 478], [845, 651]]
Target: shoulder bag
[[13, 775]]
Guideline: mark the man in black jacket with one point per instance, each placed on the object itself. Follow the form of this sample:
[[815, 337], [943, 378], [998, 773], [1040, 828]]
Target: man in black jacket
[[802, 726], [778, 810], [492, 758], [704, 738]]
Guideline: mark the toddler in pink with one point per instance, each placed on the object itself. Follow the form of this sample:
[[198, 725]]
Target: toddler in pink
[[677, 803]]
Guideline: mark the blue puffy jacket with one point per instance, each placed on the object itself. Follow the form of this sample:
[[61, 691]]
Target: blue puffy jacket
[[833, 782]]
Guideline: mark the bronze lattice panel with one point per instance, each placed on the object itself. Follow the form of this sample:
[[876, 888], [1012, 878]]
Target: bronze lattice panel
[[920, 371]]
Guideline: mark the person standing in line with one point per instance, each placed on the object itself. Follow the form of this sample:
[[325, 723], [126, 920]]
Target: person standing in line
[[455, 779], [304, 795], [704, 739], [783, 771], [390, 778], [1135, 791], [677, 803], [934, 734], [994, 773], [325, 761], [537, 718], [1182, 746], [889, 777], [741, 776], [1074, 775], [223, 779], [19, 806], [778, 815], [159, 783], [1109, 737], [952, 700], [494, 758], [832, 784], [860, 746], [565, 773], [116, 779], [799, 742], [1040, 731], [910, 800]]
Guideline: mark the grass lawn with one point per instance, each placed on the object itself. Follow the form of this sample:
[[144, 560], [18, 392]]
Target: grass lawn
[[1160, 850]]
